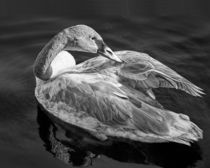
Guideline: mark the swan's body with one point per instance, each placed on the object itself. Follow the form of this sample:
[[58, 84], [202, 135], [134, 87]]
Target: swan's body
[[115, 99]]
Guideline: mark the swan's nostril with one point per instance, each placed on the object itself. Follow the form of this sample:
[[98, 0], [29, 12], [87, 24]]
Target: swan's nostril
[[110, 52]]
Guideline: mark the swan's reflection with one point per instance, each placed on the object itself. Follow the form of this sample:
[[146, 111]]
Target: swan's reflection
[[74, 145]]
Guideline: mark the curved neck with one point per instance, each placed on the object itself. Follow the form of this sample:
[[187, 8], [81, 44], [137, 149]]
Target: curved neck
[[42, 68]]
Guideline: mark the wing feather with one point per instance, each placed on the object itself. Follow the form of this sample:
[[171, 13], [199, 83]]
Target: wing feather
[[109, 103], [101, 100], [150, 73]]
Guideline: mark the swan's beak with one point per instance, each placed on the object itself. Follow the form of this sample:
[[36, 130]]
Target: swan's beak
[[108, 53]]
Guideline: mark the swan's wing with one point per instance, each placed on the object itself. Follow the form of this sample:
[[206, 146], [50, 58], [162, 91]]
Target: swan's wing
[[107, 107], [105, 100], [145, 72]]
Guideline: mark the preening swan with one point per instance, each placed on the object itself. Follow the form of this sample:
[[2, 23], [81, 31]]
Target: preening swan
[[110, 95]]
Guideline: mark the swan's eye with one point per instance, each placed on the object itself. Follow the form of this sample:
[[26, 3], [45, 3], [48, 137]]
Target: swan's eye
[[93, 38]]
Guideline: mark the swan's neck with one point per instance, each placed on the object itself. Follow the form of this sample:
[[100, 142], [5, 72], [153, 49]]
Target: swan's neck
[[42, 65]]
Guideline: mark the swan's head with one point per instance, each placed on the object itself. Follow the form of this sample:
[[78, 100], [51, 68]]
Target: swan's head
[[76, 38], [84, 38]]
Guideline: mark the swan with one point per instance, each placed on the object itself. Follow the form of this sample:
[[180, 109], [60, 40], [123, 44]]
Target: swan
[[110, 94]]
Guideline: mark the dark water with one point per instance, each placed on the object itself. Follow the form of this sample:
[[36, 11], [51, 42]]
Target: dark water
[[176, 33]]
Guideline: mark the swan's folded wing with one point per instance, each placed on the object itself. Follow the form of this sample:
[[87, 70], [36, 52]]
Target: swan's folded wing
[[101, 100], [143, 71], [108, 102]]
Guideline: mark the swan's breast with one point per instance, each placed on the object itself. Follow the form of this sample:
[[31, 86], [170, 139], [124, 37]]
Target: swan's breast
[[62, 61]]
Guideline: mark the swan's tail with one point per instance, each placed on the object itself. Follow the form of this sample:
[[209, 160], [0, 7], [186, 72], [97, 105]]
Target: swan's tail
[[161, 125], [182, 130]]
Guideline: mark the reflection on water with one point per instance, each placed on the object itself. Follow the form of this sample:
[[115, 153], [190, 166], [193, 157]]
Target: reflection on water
[[181, 43], [72, 145]]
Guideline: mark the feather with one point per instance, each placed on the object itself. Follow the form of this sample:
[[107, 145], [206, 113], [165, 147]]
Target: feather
[[150, 73]]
